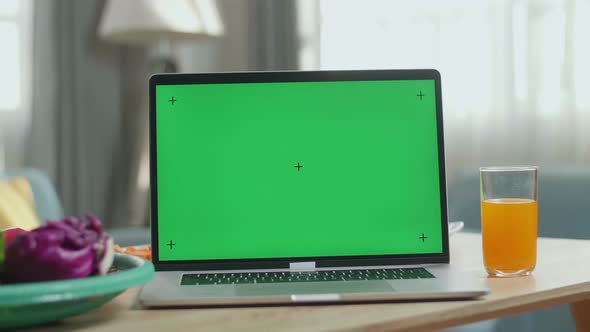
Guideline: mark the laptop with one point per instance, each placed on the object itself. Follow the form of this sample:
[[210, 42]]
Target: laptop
[[299, 187]]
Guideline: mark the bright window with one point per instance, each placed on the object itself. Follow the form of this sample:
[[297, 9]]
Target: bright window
[[15, 81], [12, 57], [515, 73]]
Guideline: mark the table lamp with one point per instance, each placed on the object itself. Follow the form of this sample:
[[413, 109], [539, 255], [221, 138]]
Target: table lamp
[[153, 22]]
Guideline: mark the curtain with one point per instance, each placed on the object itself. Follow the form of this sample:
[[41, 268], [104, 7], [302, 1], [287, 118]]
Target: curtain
[[273, 33], [515, 73], [79, 95], [129, 188]]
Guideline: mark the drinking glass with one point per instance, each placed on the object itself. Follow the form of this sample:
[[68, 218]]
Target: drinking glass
[[509, 219]]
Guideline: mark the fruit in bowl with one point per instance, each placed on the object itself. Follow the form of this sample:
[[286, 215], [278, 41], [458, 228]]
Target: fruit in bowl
[[62, 269], [60, 249]]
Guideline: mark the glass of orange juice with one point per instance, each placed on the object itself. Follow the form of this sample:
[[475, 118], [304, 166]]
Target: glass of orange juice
[[509, 219]]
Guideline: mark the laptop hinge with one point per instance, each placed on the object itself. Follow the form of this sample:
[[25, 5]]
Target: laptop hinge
[[302, 266]]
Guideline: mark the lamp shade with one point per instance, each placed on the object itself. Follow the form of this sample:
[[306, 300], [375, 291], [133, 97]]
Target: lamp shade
[[149, 21]]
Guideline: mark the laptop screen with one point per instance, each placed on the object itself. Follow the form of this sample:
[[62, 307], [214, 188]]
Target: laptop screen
[[297, 169]]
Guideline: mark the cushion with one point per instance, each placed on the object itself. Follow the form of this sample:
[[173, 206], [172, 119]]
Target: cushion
[[17, 207]]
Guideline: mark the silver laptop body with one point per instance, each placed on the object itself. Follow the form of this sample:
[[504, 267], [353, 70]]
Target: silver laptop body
[[268, 280]]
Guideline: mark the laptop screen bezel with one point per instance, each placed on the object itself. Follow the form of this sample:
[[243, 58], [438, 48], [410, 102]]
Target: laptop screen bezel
[[295, 76]]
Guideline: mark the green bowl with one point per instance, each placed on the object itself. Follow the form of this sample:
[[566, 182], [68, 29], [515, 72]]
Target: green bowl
[[36, 303]]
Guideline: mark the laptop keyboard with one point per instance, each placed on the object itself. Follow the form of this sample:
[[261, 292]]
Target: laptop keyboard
[[274, 277]]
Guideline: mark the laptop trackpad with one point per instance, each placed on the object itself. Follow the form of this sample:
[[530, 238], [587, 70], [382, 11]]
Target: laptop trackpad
[[325, 287]]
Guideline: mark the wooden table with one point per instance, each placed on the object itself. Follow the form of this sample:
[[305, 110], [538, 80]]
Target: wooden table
[[562, 276]]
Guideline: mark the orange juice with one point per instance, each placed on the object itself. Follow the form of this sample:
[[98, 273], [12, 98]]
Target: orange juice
[[509, 233]]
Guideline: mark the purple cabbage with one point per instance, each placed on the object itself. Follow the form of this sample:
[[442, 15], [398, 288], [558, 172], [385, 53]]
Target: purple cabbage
[[62, 249]]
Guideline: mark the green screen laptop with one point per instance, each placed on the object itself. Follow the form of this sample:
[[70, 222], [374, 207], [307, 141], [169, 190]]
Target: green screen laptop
[[299, 187]]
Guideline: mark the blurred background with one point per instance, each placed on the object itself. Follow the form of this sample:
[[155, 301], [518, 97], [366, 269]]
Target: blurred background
[[515, 77]]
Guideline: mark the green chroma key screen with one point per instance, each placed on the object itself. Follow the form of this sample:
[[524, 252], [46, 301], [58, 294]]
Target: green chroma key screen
[[297, 169]]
